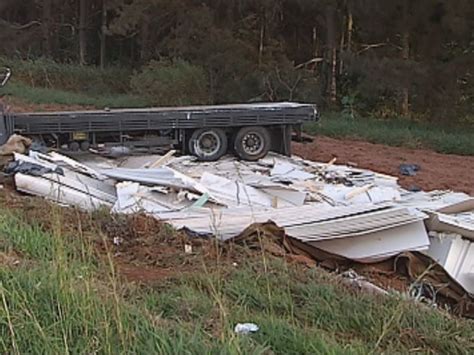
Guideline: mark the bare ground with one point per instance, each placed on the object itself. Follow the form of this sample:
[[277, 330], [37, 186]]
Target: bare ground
[[438, 171]]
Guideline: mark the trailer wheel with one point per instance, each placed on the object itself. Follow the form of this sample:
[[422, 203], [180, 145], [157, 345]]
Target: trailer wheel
[[85, 145], [208, 144], [74, 146], [252, 143]]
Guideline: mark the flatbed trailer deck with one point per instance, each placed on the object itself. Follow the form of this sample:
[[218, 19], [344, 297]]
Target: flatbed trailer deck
[[208, 132], [249, 130]]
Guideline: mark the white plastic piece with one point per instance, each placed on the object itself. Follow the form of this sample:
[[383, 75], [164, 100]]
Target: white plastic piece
[[246, 328]]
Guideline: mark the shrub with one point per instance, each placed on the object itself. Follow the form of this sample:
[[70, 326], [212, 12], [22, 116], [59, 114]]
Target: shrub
[[176, 82]]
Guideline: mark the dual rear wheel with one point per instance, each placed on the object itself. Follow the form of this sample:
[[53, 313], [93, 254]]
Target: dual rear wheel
[[249, 143], [75, 146]]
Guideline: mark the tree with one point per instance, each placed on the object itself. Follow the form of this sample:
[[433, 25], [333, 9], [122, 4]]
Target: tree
[[386, 57], [82, 31], [46, 27], [103, 34]]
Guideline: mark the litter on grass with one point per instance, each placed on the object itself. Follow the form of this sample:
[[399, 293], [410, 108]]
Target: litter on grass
[[246, 328]]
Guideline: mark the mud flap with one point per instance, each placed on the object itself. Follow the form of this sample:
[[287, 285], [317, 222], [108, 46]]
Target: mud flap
[[3, 127], [281, 139]]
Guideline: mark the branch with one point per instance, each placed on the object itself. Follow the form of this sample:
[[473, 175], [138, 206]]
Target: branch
[[366, 47], [311, 61], [17, 26], [290, 89], [72, 27], [277, 71]]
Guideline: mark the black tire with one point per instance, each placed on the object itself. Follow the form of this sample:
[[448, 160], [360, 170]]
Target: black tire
[[208, 144], [252, 143], [74, 146], [85, 145]]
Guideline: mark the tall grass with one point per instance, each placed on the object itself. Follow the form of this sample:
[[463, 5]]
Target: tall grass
[[44, 81], [62, 298], [45, 73], [398, 132], [53, 96]]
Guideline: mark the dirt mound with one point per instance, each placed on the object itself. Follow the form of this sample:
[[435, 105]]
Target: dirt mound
[[146, 250], [143, 249]]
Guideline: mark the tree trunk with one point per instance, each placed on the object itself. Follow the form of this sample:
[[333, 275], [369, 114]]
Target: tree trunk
[[350, 28], [342, 46], [333, 83], [405, 104], [405, 99], [144, 38], [103, 34], [46, 27], [261, 45], [82, 32], [315, 42], [332, 53]]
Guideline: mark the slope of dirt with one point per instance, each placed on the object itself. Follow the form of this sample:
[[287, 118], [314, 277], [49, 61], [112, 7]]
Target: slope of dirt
[[438, 171]]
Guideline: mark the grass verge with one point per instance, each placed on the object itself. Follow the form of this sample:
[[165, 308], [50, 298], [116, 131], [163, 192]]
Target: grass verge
[[38, 95], [46, 73], [60, 296], [398, 132]]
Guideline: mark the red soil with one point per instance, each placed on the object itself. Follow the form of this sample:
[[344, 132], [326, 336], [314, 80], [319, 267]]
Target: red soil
[[438, 171]]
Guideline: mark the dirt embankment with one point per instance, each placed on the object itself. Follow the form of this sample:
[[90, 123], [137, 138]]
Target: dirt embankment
[[438, 171]]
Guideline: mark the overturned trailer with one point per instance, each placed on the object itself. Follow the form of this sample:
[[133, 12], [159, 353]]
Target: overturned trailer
[[208, 132]]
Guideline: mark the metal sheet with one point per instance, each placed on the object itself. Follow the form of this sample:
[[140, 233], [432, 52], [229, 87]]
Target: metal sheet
[[456, 255], [306, 221]]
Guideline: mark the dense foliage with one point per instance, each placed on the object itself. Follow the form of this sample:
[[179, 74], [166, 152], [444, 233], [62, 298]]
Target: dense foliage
[[171, 83], [386, 57]]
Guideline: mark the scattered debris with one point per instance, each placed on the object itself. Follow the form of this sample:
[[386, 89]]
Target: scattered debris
[[321, 212], [456, 255], [15, 144], [163, 160], [62, 185], [246, 328], [287, 172], [457, 217], [352, 279], [188, 249], [409, 169], [33, 169]]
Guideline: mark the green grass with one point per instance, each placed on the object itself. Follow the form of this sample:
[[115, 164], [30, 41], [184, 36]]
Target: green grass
[[38, 95], [61, 299], [398, 132], [46, 73]]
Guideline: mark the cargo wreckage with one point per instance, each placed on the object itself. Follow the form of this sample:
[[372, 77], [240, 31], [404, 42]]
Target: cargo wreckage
[[208, 132]]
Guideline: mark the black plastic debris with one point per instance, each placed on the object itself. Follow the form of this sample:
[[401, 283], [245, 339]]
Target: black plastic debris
[[30, 169], [39, 147], [414, 188], [409, 169]]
